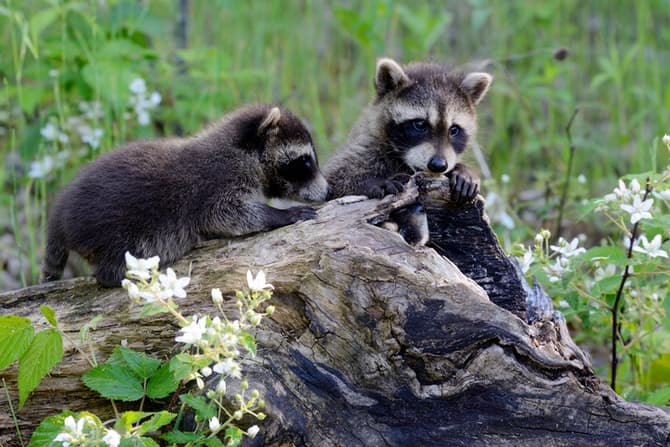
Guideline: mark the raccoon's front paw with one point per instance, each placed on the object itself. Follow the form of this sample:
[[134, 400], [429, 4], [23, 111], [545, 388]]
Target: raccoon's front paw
[[300, 213], [463, 184], [377, 187]]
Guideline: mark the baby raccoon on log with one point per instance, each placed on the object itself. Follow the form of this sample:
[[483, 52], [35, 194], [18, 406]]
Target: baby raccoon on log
[[410, 222], [422, 119], [161, 197]]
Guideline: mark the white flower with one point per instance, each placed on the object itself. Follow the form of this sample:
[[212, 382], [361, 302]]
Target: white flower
[[581, 178], [504, 178], [143, 118], [49, 132], [253, 431], [653, 248], [74, 430], [112, 438], [206, 371], [172, 285], [527, 260], [131, 287], [193, 332], [568, 249], [41, 168], [258, 283], [229, 367], [639, 209], [221, 387], [214, 424], [138, 86], [141, 267], [217, 297], [666, 139], [556, 270], [602, 273], [154, 99], [663, 195], [563, 303]]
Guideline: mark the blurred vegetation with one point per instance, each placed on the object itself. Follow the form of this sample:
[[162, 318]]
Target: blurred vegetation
[[67, 68]]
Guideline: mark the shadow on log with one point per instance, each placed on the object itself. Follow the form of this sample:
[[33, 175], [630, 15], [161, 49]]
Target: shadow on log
[[373, 342]]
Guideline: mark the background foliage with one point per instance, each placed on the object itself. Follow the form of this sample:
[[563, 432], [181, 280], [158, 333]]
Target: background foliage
[[70, 90]]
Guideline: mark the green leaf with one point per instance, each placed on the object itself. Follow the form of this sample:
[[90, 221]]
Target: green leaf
[[44, 352], [91, 325], [157, 421], [138, 442], [141, 364], [215, 442], [48, 429], [233, 435], [152, 309], [16, 334], [202, 407], [180, 437], [180, 366], [659, 397], [162, 383], [129, 418], [609, 254], [247, 340], [114, 381], [50, 315]]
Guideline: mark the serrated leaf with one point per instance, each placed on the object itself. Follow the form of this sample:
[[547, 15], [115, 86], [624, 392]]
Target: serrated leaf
[[50, 315], [91, 325], [43, 353], [152, 309], [113, 381], [16, 334], [180, 366], [247, 340], [138, 442], [613, 255], [180, 437], [157, 421], [202, 407], [48, 429], [162, 383], [141, 364], [129, 418]]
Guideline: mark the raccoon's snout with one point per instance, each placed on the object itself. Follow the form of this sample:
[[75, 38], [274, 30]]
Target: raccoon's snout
[[437, 165], [315, 191]]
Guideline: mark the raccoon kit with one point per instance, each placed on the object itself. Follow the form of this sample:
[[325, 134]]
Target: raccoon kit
[[422, 119], [161, 197], [411, 223]]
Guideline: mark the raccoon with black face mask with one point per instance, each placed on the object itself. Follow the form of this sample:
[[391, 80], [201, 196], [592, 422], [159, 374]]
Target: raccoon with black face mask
[[422, 119], [161, 197], [410, 222]]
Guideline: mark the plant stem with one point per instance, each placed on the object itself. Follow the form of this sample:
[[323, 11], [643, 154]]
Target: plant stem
[[566, 184], [616, 326], [13, 413]]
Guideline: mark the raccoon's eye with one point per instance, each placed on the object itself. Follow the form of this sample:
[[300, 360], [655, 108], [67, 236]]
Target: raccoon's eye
[[298, 170], [419, 126], [454, 131]]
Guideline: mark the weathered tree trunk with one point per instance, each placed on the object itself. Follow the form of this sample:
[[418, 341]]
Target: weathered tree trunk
[[373, 343]]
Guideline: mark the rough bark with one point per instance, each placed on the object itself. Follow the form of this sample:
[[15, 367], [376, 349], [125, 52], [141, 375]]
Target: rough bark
[[373, 343]]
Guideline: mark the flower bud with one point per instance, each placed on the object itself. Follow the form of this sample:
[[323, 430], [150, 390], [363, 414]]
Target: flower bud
[[255, 394], [260, 416], [238, 415], [253, 431], [221, 387], [244, 385], [270, 310], [217, 297]]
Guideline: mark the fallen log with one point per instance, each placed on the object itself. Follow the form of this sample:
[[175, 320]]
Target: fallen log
[[373, 342]]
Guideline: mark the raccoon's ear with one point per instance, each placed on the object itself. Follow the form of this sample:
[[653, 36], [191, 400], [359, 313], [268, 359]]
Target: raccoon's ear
[[476, 85], [389, 76], [270, 121]]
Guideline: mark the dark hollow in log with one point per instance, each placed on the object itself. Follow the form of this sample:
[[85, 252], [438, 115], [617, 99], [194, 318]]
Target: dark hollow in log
[[373, 343]]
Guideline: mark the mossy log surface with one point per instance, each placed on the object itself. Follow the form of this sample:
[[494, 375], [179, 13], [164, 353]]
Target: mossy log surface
[[373, 342]]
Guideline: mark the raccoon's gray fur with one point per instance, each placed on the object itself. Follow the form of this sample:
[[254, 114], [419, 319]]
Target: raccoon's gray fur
[[161, 197], [422, 119], [411, 223]]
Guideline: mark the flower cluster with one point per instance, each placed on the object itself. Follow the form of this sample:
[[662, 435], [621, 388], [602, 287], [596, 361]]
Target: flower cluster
[[219, 341], [142, 101], [86, 430], [631, 199]]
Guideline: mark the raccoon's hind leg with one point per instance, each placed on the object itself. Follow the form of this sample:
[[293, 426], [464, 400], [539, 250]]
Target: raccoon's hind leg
[[110, 270], [56, 253]]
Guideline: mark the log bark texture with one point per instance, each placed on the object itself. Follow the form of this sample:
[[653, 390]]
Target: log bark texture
[[373, 343]]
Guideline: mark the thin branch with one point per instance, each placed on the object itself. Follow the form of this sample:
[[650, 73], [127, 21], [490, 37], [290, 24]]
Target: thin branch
[[616, 326], [566, 184]]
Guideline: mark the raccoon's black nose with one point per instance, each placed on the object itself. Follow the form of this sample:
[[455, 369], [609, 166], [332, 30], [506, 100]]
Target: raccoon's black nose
[[437, 165]]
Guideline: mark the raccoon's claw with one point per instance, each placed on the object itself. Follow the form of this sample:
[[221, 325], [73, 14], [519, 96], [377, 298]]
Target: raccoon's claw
[[300, 213], [378, 188], [464, 188]]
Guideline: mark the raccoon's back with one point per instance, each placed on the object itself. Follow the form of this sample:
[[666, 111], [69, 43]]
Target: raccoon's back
[[125, 194]]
